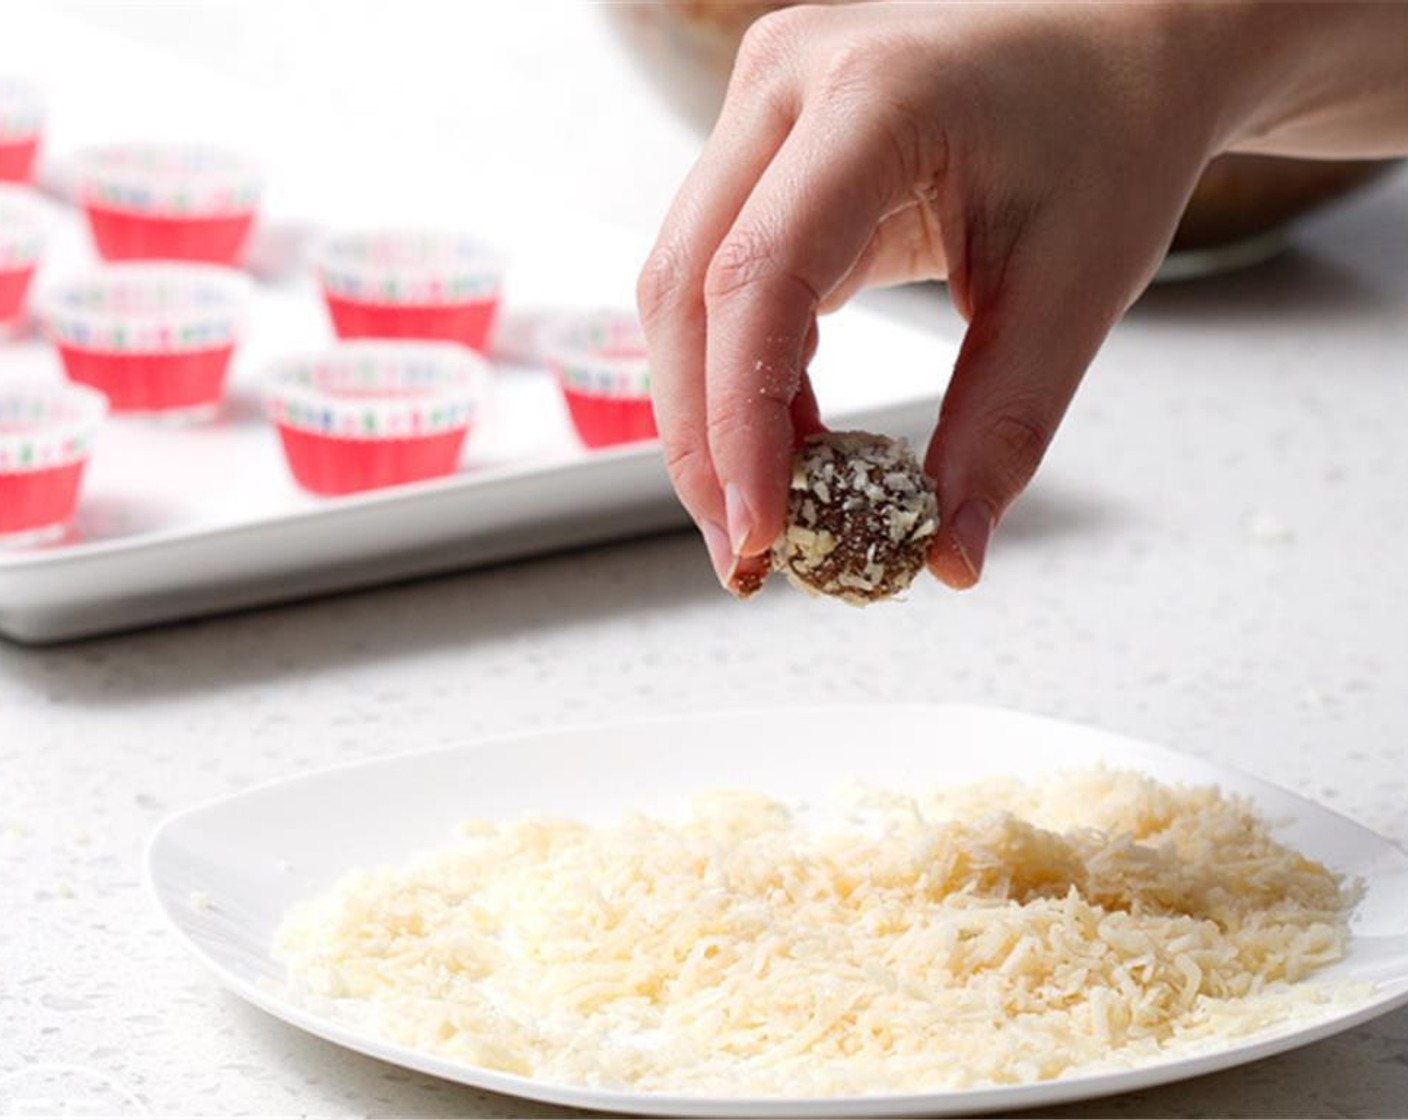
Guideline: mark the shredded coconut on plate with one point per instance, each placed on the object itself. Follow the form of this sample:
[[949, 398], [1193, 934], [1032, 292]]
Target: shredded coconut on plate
[[992, 934]]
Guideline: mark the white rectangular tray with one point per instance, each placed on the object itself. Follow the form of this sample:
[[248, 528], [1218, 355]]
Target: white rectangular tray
[[176, 522], [475, 518]]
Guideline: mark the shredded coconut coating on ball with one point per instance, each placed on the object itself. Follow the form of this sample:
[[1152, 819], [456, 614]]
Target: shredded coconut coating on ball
[[860, 516]]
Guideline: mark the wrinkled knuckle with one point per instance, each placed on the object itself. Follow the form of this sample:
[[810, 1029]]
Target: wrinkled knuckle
[[662, 281], [682, 460], [745, 256], [690, 469], [854, 71], [740, 416], [915, 145], [766, 47], [1018, 439], [729, 420]]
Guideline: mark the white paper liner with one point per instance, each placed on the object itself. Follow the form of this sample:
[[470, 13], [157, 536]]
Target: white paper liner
[[147, 308], [43, 426], [601, 353], [409, 267], [168, 180], [378, 390]]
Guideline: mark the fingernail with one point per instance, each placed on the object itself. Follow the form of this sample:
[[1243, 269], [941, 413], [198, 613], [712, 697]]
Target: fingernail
[[720, 552], [972, 526], [740, 518]]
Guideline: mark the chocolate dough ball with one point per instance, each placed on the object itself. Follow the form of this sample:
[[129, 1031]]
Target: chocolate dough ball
[[861, 513]]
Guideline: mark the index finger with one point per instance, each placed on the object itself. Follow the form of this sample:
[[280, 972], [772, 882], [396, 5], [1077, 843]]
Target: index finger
[[799, 234], [755, 120]]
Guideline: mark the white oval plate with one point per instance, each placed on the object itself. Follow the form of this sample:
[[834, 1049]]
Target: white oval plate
[[225, 872]]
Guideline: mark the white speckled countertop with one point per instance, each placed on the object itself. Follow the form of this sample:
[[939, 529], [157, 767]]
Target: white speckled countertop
[[1215, 559]]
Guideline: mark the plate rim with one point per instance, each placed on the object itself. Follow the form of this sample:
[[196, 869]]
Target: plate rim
[[980, 1099]]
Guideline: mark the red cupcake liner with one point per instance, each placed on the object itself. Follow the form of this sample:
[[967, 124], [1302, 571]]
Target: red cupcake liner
[[435, 285], [21, 125], [367, 414], [468, 323], [604, 421], [122, 235], [601, 365], [23, 232], [14, 284], [35, 504], [330, 466], [17, 159], [46, 436], [152, 337], [180, 381], [183, 202]]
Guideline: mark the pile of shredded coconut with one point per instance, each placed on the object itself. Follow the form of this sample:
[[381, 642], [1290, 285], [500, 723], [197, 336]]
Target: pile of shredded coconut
[[996, 933]]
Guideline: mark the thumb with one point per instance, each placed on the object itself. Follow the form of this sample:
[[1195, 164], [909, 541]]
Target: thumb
[[1022, 359]]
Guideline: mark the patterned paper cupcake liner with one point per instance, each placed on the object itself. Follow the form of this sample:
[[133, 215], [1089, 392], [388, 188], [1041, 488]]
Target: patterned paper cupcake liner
[[608, 421], [23, 231], [46, 426], [21, 111], [46, 436], [148, 308], [601, 353], [409, 267], [167, 180], [21, 122], [23, 228], [600, 360], [371, 414], [370, 390]]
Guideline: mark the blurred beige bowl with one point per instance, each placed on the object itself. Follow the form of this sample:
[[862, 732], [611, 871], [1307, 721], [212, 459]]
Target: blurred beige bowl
[[1238, 214]]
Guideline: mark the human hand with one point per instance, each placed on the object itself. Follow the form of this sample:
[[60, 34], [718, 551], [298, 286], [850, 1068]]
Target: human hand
[[1038, 156]]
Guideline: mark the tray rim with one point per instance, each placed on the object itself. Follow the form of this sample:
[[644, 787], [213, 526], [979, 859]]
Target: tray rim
[[54, 556], [41, 605], [473, 478]]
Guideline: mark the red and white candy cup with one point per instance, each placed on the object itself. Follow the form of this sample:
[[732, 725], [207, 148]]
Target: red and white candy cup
[[21, 123], [367, 414], [22, 236], [419, 284], [600, 361], [151, 337], [46, 435], [182, 202]]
